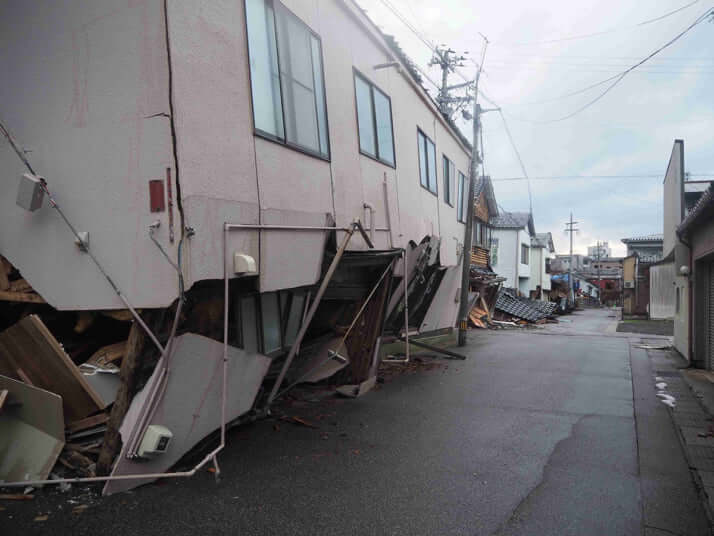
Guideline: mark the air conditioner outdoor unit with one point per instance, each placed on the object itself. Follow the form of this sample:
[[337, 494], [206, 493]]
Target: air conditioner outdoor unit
[[629, 284]]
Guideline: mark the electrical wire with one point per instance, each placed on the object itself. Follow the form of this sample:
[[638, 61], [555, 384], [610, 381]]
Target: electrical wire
[[602, 32], [520, 160], [575, 177], [618, 78]]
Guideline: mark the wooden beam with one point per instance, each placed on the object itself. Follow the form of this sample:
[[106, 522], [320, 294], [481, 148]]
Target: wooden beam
[[3, 397], [23, 297], [127, 375], [87, 422], [108, 354], [4, 271], [29, 346]]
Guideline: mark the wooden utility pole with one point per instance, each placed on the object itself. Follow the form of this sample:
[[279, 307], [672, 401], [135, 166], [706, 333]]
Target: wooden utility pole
[[570, 228]]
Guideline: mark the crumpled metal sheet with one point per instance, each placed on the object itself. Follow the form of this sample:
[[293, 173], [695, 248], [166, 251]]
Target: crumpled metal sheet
[[191, 405], [31, 431]]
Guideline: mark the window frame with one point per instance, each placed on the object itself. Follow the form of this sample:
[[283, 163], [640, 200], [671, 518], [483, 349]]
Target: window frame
[[372, 88], [525, 253], [449, 200], [462, 192], [267, 135], [428, 140]]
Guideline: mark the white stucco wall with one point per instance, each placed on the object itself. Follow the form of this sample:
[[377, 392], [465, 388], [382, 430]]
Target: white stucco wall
[[85, 92], [92, 103], [673, 197], [506, 265]]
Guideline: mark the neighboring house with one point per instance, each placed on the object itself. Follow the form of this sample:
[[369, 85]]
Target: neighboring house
[[629, 285], [511, 234], [669, 283], [608, 265], [648, 247], [542, 249], [485, 208], [697, 232]]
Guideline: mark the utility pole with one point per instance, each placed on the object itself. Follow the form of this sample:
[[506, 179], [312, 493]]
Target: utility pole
[[448, 61], [473, 174], [570, 228], [599, 281]]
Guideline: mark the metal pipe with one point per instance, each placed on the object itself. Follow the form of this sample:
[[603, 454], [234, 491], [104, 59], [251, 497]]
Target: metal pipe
[[406, 314], [385, 187], [372, 212], [268, 227], [406, 302], [311, 312]]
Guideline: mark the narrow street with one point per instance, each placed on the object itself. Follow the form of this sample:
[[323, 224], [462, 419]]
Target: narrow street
[[535, 433]]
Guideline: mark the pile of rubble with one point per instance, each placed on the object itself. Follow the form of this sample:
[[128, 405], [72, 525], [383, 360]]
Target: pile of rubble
[[535, 311], [511, 309]]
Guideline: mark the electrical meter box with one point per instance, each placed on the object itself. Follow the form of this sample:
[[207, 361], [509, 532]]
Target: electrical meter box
[[155, 441], [30, 193]]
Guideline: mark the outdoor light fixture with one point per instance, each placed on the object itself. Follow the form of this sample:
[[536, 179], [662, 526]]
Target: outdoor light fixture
[[30, 193]]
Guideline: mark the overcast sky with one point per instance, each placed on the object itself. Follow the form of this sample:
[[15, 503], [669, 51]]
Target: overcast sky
[[630, 131]]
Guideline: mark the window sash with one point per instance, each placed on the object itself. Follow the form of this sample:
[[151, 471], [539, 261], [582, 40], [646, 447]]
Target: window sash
[[449, 179], [374, 121], [287, 78], [460, 198]]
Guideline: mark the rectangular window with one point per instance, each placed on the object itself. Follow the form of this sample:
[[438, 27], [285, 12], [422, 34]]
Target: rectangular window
[[427, 162], [286, 78], [524, 254], [477, 233], [461, 194], [374, 121], [494, 251], [449, 179]]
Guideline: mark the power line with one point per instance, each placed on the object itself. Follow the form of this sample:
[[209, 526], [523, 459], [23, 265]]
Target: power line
[[520, 160], [575, 177], [617, 78], [602, 32]]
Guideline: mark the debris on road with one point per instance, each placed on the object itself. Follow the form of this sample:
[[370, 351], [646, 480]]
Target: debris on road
[[533, 311]]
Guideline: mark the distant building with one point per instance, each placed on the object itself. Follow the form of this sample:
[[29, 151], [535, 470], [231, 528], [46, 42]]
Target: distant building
[[561, 263], [600, 251]]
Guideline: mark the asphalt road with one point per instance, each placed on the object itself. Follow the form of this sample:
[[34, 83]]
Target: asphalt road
[[554, 430]]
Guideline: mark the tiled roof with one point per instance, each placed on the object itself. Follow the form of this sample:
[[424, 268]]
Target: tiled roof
[[658, 237], [706, 200], [511, 220], [525, 308], [543, 240]]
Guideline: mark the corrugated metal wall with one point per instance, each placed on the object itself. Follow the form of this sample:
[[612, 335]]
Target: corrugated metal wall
[[662, 291]]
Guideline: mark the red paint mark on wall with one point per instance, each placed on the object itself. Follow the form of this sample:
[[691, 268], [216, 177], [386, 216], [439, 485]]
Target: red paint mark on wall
[[157, 202], [79, 109]]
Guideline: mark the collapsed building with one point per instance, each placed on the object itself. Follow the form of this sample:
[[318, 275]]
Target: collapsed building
[[205, 205]]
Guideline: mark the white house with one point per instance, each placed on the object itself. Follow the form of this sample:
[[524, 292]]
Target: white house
[[511, 234], [542, 249]]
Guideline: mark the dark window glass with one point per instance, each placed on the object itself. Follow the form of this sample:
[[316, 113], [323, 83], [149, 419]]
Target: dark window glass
[[374, 121]]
